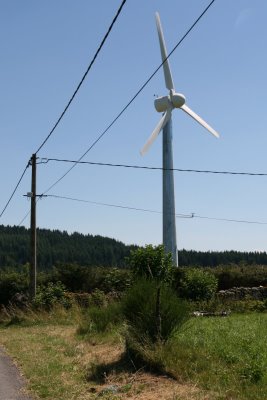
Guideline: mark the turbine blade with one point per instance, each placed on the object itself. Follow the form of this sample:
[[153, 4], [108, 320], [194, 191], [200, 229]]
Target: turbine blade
[[200, 120], [163, 121], [166, 66]]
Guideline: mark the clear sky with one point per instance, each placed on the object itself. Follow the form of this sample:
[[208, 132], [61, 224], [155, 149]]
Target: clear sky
[[220, 67]]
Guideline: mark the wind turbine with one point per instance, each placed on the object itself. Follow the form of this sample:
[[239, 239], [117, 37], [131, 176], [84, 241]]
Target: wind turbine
[[166, 105]]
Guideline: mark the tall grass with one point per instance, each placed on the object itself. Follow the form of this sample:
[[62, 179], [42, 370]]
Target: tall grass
[[225, 355], [100, 320], [29, 316]]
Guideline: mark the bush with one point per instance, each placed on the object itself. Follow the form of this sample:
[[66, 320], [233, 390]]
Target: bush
[[116, 280], [98, 298], [153, 312], [12, 282], [235, 276], [78, 278], [53, 293], [151, 263], [197, 284]]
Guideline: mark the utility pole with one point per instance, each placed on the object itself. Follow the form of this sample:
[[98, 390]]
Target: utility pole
[[33, 263]]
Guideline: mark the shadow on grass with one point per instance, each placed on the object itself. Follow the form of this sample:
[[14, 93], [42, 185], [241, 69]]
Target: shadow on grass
[[99, 372], [127, 364]]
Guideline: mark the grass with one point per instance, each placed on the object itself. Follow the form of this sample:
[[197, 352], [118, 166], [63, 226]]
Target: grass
[[44, 353], [225, 355], [211, 359]]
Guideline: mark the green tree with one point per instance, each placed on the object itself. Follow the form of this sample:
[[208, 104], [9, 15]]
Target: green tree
[[151, 262]]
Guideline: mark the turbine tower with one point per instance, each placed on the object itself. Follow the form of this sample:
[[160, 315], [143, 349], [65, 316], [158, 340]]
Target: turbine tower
[[166, 105]]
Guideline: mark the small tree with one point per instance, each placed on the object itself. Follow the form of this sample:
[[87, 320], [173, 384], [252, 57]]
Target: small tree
[[151, 262], [151, 301]]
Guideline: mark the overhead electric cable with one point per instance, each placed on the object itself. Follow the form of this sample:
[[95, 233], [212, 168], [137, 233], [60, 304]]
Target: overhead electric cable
[[84, 76], [231, 220], [113, 205], [46, 160], [133, 98], [191, 215], [23, 219], [14, 191]]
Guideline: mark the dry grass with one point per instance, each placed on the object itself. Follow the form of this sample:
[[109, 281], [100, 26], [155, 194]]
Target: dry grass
[[60, 366]]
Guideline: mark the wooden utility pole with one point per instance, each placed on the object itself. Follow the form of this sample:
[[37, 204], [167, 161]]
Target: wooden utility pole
[[33, 230]]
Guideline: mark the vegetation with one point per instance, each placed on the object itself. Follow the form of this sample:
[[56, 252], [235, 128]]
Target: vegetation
[[152, 313], [151, 262], [213, 358], [225, 354], [12, 282], [240, 275], [100, 319], [196, 284], [140, 316], [51, 294], [55, 247], [216, 258]]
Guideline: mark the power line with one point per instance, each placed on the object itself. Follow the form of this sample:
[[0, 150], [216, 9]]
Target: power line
[[114, 205], [133, 98], [84, 76], [127, 105], [191, 215], [71, 99], [14, 191], [46, 160], [231, 220], [25, 216]]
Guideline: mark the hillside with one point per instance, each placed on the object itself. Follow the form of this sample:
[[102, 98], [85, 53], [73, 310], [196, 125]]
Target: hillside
[[54, 246]]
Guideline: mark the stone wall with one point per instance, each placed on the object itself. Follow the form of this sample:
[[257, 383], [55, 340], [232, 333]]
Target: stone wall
[[241, 293]]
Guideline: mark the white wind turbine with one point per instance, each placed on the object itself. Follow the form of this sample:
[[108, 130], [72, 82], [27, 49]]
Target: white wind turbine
[[166, 104]]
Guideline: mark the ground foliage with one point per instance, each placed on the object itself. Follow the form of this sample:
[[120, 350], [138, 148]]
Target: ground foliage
[[196, 284]]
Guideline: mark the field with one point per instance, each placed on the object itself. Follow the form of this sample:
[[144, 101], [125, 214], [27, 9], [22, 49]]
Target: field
[[209, 358]]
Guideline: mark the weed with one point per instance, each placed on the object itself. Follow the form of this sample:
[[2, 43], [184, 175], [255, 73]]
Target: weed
[[97, 320]]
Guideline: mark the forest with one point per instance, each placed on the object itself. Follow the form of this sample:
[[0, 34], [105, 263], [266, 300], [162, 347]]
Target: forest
[[56, 247], [59, 247]]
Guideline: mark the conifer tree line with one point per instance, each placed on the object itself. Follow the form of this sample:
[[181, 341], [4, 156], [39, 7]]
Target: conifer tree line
[[56, 247], [59, 247]]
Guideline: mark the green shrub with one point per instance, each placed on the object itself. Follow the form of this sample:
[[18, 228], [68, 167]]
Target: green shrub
[[98, 298], [240, 275], [78, 278], [153, 312], [116, 280], [53, 293], [12, 282], [151, 263], [197, 284]]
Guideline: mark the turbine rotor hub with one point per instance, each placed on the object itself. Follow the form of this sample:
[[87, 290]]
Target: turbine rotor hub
[[177, 99], [174, 100]]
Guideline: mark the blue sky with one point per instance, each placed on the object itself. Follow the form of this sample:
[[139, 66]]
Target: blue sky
[[220, 68]]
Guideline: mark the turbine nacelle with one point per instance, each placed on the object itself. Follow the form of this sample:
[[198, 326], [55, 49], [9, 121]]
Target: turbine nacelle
[[175, 100]]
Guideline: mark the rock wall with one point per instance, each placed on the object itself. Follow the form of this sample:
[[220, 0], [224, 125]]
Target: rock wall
[[242, 293]]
